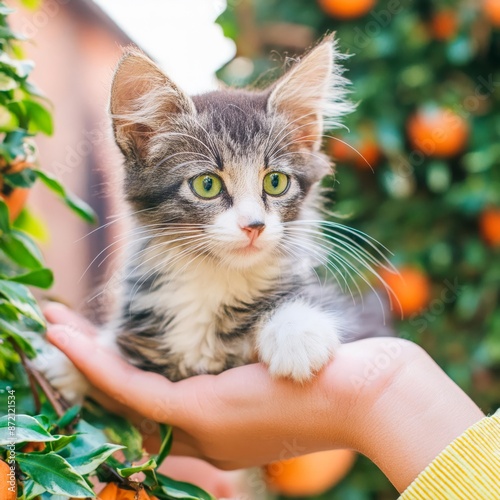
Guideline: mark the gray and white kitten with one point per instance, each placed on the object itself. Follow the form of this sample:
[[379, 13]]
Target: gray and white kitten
[[224, 190]]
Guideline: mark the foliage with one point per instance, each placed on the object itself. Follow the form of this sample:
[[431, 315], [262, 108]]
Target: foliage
[[424, 206], [54, 450], [73, 450]]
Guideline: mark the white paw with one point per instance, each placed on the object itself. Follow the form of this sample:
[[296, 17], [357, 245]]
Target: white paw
[[60, 372], [297, 341]]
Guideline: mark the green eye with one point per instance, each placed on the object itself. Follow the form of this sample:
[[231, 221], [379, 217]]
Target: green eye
[[276, 183], [206, 186]]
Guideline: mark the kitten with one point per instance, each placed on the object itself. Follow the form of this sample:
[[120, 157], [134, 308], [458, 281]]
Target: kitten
[[224, 192], [219, 183]]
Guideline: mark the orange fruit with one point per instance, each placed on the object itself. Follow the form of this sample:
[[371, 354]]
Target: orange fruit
[[346, 9], [489, 225], [8, 489], [437, 132], [109, 492], [14, 198], [444, 24], [33, 446], [410, 290], [310, 474], [363, 153], [492, 10]]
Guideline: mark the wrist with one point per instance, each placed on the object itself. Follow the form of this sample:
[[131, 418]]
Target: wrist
[[410, 413]]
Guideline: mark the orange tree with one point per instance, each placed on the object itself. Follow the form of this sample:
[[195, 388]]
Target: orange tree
[[426, 79], [48, 449]]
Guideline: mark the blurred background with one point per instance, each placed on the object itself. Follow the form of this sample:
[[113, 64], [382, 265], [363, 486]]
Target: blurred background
[[418, 166]]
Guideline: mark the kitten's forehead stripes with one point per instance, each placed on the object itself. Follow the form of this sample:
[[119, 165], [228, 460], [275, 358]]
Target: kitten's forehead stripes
[[238, 116]]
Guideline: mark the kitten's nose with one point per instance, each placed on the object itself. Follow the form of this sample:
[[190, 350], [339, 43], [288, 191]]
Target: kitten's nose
[[253, 230]]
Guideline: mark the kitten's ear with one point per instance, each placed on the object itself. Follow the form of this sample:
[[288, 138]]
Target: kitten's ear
[[313, 93], [143, 102]]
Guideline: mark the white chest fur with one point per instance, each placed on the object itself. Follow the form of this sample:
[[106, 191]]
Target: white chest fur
[[191, 296]]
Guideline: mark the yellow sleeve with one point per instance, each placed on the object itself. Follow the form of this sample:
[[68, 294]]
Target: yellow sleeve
[[468, 468]]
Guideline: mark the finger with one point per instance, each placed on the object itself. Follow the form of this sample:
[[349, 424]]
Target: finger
[[147, 393], [59, 314]]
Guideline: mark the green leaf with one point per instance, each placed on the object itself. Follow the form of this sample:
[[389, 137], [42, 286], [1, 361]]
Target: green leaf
[[41, 278], [33, 90], [13, 144], [87, 463], [8, 120], [32, 489], [166, 443], [69, 416], [43, 420], [61, 441], [22, 300], [10, 329], [21, 249], [117, 429], [184, 491], [23, 429], [21, 67], [78, 206], [55, 474], [23, 179], [24, 396], [7, 83], [128, 471], [89, 438], [4, 217], [7, 34], [9, 312], [40, 119], [32, 224]]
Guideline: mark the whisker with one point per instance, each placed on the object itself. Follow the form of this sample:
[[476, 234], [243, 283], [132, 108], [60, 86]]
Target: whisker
[[327, 264], [152, 236], [277, 143], [164, 265], [344, 246], [182, 134], [136, 257], [344, 242], [329, 137], [328, 258], [296, 141], [330, 226], [215, 151], [164, 160], [123, 216], [280, 137], [177, 167], [344, 262], [302, 153], [353, 149], [356, 252], [124, 237]]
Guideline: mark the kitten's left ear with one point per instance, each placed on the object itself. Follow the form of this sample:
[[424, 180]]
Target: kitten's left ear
[[313, 93]]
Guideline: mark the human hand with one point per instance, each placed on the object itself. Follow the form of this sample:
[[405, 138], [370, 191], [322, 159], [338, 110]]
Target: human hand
[[383, 397]]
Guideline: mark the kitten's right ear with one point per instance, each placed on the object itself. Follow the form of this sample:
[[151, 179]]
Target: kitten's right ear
[[143, 102]]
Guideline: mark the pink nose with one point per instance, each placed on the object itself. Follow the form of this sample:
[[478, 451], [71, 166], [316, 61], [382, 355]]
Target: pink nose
[[253, 230]]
